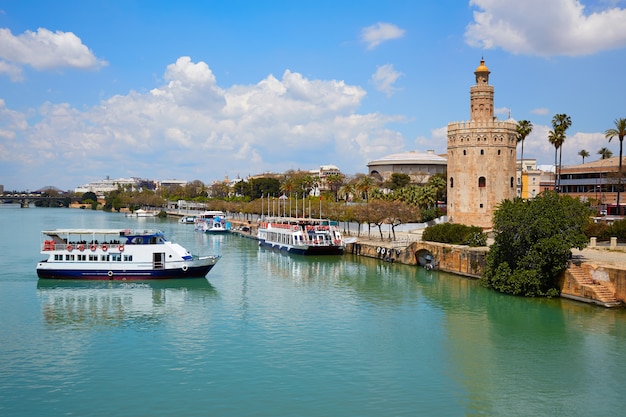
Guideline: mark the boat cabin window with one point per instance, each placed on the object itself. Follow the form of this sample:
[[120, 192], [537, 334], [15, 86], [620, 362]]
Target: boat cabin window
[[104, 258], [116, 257], [69, 257], [128, 258], [58, 257], [93, 257]]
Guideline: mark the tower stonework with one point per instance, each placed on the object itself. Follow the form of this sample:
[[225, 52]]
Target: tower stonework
[[481, 158]]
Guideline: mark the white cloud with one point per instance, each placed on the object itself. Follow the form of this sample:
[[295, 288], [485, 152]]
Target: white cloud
[[380, 32], [536, 146], [13, 71], [545, 28], [505, 111], [191, 128], [384, 79], [437, 142], [44, 50], [542, 111]]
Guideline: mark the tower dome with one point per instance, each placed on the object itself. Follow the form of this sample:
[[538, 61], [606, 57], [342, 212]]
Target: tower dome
[[482, 73]]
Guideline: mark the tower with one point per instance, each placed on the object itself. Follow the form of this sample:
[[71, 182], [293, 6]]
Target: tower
[[481, 158]]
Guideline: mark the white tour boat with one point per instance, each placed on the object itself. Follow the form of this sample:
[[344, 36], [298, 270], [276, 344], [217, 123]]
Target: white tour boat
[[212, 221], [118, 254], [187, 220], [142, 213], [303, 236]]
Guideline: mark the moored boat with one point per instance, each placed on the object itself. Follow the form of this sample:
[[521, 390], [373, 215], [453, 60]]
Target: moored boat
[[187, 220], [302, 236], [212, 221], [118, 254], [142, 213]]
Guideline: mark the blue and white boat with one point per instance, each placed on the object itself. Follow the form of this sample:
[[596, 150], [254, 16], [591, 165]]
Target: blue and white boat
[[117, 254], [302, 236], [212, 221]]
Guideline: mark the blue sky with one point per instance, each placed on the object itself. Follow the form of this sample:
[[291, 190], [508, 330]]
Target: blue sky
[[204, 89]]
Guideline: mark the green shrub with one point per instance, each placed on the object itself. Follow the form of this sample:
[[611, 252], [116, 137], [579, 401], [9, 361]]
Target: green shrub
[[456, 234]]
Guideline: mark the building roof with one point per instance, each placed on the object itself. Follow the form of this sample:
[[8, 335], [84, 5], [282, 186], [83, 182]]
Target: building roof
[[410, 158], [608, 164]]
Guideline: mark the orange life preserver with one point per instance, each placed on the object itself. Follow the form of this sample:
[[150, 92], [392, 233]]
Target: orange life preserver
[[121, 248], [81, 247], [69, 248], [105, 247], [92, 247]]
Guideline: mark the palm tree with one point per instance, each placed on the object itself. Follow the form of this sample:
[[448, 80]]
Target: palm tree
[[620, 132], [345, 192], [560, 123], [364, 185], [555, 139], [524, 127], [605, 153], [584, 154]]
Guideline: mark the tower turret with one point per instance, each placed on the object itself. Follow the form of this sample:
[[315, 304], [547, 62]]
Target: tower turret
[[481, 95]]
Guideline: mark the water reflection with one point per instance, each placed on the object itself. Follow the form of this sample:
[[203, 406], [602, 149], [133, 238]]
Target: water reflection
[[112, 303]]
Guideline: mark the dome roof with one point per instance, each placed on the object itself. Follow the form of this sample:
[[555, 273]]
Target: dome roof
[[411, 157], [482, 67]]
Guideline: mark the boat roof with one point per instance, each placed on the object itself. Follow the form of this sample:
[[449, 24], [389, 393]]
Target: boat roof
[[116, 232], [298, 220]]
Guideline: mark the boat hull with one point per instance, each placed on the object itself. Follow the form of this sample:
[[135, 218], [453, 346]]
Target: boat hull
[[122, 274], [303, 250]]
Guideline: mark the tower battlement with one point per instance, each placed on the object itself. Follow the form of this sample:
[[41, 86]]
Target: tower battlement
[[482, 124]]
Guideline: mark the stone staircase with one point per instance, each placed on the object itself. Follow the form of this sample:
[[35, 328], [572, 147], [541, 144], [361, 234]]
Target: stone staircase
[[593, 289]]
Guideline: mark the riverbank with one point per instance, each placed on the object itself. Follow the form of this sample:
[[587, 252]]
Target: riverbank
[[597, 274]]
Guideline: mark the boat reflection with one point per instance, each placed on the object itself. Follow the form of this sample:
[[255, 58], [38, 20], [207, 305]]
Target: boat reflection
[[118, 303]]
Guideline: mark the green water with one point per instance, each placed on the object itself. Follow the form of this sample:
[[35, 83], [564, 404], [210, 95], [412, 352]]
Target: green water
[[271, 335]]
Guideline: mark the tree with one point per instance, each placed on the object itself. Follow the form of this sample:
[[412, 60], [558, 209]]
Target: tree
[[264, 187], [399, 180], [584, 154], [524, 127], [364, 185], [555, 139], [532, 243], [560, 123], [334, 182], [620, 132], [89, 197], [605, 153]]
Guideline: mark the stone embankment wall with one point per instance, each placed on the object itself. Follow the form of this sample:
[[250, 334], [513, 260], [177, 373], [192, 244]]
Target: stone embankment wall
[[461, 260], [470, 262]]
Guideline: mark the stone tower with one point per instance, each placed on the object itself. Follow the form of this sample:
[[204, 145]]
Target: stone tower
[[481, 158]]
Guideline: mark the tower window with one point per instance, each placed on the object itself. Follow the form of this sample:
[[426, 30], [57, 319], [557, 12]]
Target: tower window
[[464, 152], [511, 182], [498, 151], [451, 182], [482, 182], [482, 151]]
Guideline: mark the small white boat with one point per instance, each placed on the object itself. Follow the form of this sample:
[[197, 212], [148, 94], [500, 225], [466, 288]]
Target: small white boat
[[187, 220], [212, 221], [142, 213], [302, 236], [114, 254]]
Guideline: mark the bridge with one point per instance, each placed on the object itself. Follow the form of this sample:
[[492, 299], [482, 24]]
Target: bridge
[[25, 199]]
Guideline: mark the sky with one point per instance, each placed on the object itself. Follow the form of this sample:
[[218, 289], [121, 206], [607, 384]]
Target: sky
[[203, 90]]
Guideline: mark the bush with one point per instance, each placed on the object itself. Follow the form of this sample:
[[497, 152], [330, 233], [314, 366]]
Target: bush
[[533, 241], [456, 234], [429, 214], [605, 232]]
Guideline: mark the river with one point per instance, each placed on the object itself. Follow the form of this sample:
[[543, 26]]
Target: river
[[267, 334]]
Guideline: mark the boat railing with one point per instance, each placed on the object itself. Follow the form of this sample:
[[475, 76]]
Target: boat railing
[[51, 245]]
